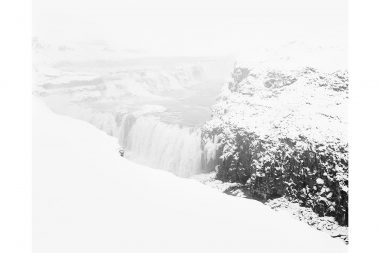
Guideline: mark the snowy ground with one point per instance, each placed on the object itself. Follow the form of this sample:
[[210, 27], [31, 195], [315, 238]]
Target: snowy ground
[[88, 199]]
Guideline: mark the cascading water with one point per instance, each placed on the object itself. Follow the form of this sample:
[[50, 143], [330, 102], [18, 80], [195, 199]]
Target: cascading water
[[121, 99], [162, 146]]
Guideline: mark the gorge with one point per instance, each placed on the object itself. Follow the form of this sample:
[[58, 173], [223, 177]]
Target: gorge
[[277, 132]]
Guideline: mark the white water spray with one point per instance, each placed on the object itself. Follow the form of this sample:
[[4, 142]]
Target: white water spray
[[162, 146], [184, 88]]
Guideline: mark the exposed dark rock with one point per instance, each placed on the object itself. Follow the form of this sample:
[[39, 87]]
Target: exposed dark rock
[[270, 140]]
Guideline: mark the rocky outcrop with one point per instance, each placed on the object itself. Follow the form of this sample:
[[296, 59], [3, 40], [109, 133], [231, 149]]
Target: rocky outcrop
[[304, 214], [283, 133]]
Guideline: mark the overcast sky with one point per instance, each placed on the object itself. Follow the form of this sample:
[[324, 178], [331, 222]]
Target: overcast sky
[[193, 26]]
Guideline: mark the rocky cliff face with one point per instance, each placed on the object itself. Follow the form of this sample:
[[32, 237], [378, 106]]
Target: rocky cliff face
[[283, 133]]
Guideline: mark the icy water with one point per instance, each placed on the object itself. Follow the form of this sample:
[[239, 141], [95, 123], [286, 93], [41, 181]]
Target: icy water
[[155, 108]]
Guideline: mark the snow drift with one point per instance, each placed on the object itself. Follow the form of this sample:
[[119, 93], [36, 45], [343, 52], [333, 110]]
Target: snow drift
[[86, 198]]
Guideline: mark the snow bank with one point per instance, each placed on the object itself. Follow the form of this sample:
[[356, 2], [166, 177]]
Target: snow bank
[[88, 199]]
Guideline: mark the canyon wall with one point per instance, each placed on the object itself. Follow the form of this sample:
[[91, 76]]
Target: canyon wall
[[283, 133]]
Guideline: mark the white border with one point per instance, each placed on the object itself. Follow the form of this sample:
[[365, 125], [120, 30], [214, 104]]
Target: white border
[[15, 131], [364, 125], [15, 126]]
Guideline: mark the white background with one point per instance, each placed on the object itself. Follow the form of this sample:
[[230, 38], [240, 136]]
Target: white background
[[15, 153], [192, 27]]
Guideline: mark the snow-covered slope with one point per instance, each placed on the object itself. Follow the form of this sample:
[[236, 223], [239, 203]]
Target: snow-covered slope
[[88, 199]]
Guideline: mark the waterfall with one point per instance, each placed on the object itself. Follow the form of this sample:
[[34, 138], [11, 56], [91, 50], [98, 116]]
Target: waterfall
[[149, 141], [162, 146], [102, 95]]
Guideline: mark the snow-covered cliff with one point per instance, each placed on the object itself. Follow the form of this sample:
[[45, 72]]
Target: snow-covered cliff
[[282, 132]]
